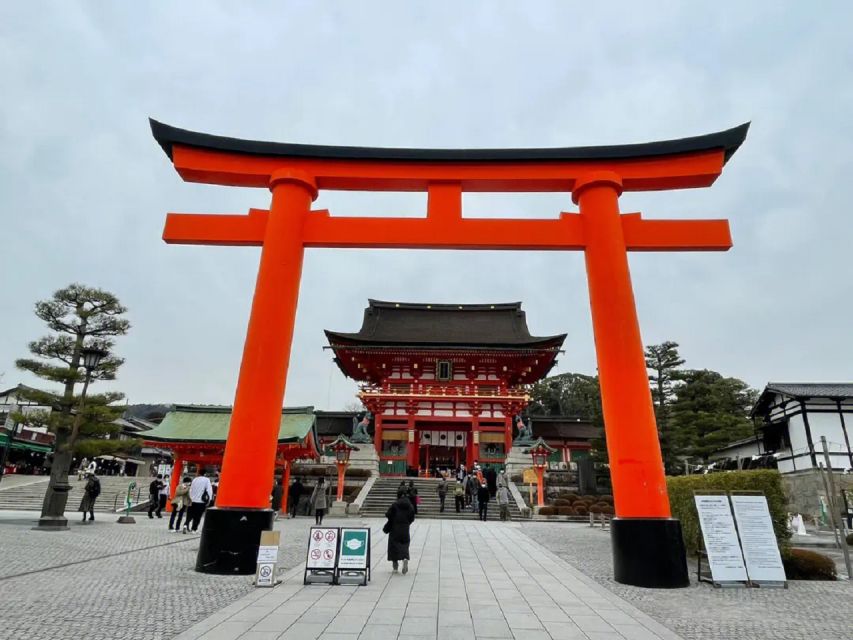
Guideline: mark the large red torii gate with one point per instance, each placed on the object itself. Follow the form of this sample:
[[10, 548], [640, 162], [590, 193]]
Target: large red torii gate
[[647, 545]]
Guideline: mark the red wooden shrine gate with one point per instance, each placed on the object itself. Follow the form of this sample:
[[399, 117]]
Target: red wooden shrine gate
[[647, 545]]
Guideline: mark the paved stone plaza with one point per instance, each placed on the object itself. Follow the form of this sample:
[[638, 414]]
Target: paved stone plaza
[[466, 580], [805, 611]]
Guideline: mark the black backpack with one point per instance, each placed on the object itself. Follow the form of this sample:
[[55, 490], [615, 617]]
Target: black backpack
[[95, 488]]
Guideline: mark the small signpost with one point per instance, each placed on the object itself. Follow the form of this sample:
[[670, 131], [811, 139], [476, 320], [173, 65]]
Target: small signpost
[[529, 478], [321, 560], [128, 503], [758, 540], [720, 541], [265, 575], [354, 557]]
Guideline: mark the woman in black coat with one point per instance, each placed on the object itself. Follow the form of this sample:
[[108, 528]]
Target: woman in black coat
[[400, 516]]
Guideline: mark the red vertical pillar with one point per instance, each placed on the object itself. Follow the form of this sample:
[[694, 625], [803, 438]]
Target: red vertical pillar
[[232, 530], [377, 434], [177, 469], [639, 486], [247, 468], [412, 445], [507, 433], [648, 549]]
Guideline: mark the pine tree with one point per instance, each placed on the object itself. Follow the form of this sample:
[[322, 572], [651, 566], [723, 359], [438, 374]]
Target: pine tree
[[571, 394], [710, 411], [79, 317], [663, 360]]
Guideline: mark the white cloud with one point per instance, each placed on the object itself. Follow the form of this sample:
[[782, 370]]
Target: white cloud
[[84, 188]]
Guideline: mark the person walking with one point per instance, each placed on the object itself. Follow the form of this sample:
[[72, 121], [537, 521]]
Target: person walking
[[400, 516], [483, 501], [275, 498], [412, 492], [296, 491], [180, 503], [90, 494], [471, 487], [502, 482], [163, 498], [319, 501], [154, 497], [491, 480], [503, 502], [201, 492], [459, 495], [460, 472], [441, 490]]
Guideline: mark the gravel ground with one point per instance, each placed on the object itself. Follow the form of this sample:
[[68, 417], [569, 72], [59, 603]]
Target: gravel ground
[[804, 611], [114, 582]]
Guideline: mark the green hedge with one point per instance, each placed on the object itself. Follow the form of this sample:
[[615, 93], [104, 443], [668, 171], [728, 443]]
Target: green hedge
[[769, 482]]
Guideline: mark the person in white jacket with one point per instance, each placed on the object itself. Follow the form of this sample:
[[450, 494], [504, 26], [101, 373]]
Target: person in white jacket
[[201, 492]]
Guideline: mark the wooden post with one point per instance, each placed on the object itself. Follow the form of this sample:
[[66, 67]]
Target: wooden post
[[177, 469], [540, 486], [285, 486]]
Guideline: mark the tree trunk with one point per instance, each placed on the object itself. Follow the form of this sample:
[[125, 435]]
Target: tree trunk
[[56, 496]]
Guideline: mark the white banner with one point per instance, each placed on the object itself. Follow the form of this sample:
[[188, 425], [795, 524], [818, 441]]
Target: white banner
[[720, 536], [760, 550]]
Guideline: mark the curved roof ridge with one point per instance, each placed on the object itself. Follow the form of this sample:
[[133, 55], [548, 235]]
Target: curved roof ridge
[[728, 140], [445, 306]]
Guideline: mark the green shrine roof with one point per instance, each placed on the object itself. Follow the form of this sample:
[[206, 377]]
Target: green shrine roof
[[195, 423]]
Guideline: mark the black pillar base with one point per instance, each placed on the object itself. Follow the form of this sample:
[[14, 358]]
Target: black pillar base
[[230, 538], [649, 552]]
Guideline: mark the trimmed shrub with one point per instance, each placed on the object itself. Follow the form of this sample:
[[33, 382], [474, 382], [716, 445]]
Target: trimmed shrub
[[606, 498], [580, 510], [801, 564], [548, 511], [580, 502], [564, 511], [569, 495], [559, 502], [767, 481], [590, 499], [595, 509], [607, 510]]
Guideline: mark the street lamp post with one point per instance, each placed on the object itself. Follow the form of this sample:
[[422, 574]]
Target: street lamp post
[[540, 451], [53, 510], [342, 448]]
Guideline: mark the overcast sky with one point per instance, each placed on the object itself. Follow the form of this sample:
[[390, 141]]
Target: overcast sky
[[84, 188]]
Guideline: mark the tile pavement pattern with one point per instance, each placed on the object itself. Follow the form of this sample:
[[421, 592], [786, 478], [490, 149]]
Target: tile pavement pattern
[[804, 611], [466, 580], [113, 582]]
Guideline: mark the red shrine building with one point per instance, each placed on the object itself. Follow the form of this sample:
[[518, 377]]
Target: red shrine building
[[443, 381]]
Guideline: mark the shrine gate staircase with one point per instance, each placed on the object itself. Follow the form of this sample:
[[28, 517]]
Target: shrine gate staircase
[[384, 493]]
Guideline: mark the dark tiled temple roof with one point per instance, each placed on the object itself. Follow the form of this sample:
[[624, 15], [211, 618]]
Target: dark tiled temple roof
[[443, 325], [564, 427], [802, 391]]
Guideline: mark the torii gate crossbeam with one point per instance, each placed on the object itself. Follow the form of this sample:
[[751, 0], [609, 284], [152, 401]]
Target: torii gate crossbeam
[[647, 545]]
